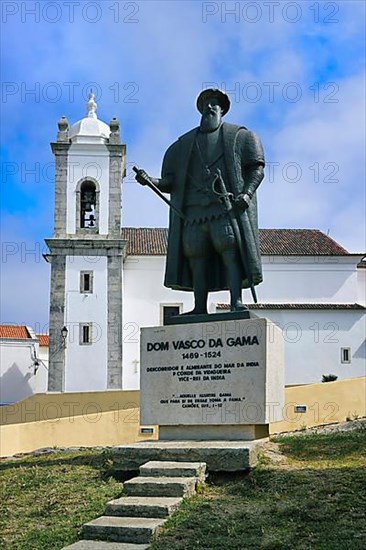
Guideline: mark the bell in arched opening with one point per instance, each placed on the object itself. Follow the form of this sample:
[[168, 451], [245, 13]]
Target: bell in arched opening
[[87, 204]]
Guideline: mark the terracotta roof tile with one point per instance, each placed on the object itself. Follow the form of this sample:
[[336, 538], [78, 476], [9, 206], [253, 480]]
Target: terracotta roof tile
[[145, 241], [43, 340], [299, 242], [224, 307], [152, 241], [14, 331]]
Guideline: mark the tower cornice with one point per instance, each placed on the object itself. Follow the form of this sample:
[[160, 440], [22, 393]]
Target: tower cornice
[[59, 148], [116, 149], [66, 247]]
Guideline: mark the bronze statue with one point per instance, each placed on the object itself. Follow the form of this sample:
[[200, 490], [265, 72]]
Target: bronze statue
[[212, 173]]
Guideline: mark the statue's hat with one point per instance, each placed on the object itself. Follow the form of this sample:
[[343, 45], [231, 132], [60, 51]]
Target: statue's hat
[[218, 94]]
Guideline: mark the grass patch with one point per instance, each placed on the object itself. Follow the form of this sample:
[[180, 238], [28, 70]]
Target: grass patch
[[316, 501], [335, 448], [313, 500], [46, 499]]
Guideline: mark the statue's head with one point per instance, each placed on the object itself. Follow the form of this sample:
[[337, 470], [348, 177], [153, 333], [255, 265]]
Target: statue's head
[[213, 104], [213, 93]]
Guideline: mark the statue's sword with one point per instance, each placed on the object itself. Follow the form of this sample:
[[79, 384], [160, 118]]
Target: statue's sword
[[226, 199], [153, 187]]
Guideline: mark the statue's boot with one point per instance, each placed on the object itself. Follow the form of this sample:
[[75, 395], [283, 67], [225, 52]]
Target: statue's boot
[[200, 301], [233, 277], [238, 305]]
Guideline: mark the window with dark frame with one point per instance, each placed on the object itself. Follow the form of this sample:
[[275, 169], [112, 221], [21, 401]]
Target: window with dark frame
[[168, 311], [85, 333], [86, 282]]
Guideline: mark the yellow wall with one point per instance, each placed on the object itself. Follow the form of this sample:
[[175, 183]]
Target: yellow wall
[[112, 418], [53, 406], [326, 403], [71, 420]]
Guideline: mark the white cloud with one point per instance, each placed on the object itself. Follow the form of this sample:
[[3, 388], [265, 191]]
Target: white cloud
[[169, 53], [325, 140]]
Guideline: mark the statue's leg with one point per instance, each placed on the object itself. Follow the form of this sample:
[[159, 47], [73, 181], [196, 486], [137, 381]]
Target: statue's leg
[[198, 267], [225, 244], [196, 249], [231, 262]]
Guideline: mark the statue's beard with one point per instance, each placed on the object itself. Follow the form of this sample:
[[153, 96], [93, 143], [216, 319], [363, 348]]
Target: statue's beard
[[210, 121]]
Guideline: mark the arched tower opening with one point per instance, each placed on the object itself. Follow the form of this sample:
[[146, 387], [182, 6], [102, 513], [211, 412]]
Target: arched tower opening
[[87, 206]]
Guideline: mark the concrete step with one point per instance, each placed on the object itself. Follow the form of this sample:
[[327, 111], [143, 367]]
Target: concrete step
[[160, 486], [143, 507], [120, 529], [100, 545], [159, 468]]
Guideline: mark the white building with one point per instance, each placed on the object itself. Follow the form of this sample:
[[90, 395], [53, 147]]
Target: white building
[[107, 282], [23, 363]]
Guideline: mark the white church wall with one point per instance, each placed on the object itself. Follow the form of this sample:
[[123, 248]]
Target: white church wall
[[143, 292], [361, 285], [86, 364], [323, 279], [306, 281], [83, 162], [313, 341]]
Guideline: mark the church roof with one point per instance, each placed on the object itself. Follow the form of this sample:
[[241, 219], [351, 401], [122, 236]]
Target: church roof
[[89, 128], [152, 241]]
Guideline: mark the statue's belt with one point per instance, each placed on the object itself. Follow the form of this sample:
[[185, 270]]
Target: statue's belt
[[205, 194], [198, 217]]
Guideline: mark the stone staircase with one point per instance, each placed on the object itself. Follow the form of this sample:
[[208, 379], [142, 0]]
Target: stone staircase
[[130, 522]]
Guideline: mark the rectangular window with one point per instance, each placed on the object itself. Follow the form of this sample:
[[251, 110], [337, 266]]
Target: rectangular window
[[345, 355], [86, 282], [85, 333], [167, 310]]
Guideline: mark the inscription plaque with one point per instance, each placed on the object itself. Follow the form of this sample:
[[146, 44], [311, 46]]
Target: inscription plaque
[[221, 373]]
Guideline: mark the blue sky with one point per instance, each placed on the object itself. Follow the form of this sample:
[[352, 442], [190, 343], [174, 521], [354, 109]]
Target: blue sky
[[294, 72]]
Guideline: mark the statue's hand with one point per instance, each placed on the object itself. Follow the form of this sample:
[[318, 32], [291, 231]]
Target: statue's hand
[[142, 177], [242, 201]]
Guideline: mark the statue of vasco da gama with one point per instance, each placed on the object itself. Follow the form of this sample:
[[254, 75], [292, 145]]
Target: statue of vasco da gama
[[212, 174]]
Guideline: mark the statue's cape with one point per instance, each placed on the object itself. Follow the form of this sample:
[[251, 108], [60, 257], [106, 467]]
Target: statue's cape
[[242, 148]]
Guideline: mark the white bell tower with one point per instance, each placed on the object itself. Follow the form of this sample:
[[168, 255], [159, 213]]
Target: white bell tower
[[86, 254]]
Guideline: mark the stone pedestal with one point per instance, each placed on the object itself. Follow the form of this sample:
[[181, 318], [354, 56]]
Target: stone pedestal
[[216, 432], [221, 380], [220, 456]]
